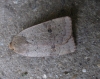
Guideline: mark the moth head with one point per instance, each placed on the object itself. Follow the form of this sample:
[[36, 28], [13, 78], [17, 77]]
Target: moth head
[[11, 46], [18, 44]]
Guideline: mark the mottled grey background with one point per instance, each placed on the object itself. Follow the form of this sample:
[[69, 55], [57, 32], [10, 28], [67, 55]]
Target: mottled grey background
[[84, 63]]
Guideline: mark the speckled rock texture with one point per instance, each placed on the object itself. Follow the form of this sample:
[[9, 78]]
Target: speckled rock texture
[[84, 63]]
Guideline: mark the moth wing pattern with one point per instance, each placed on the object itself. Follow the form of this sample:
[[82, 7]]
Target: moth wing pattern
[[49, 38]]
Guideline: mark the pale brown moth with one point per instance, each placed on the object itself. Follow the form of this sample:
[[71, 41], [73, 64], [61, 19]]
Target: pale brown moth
[[49, 38]]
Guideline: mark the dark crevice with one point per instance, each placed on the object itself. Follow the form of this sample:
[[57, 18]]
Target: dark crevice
[[49, 30]]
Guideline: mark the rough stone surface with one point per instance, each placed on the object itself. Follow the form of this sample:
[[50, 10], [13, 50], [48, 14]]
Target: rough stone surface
[[16, 15]]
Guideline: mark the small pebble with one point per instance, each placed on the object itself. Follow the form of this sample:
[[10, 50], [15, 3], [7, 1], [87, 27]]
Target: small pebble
[[44, 76], [98, 65], [15, 2], [83, 70], [86, 57], [31, 77], [1, 44], [56, 76]]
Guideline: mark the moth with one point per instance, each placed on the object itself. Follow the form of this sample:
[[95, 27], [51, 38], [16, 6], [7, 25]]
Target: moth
[[49, 38]]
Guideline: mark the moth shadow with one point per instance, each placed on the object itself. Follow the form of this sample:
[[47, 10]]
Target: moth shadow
[[74, 16]]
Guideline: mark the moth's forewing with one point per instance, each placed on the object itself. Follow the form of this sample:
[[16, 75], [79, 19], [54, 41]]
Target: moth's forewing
[[53, 37]]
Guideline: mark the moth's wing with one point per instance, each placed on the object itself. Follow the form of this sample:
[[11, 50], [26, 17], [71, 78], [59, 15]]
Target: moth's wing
[[65, 29], [45, 50], [69, 47], [61, 31], [45, 39]]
